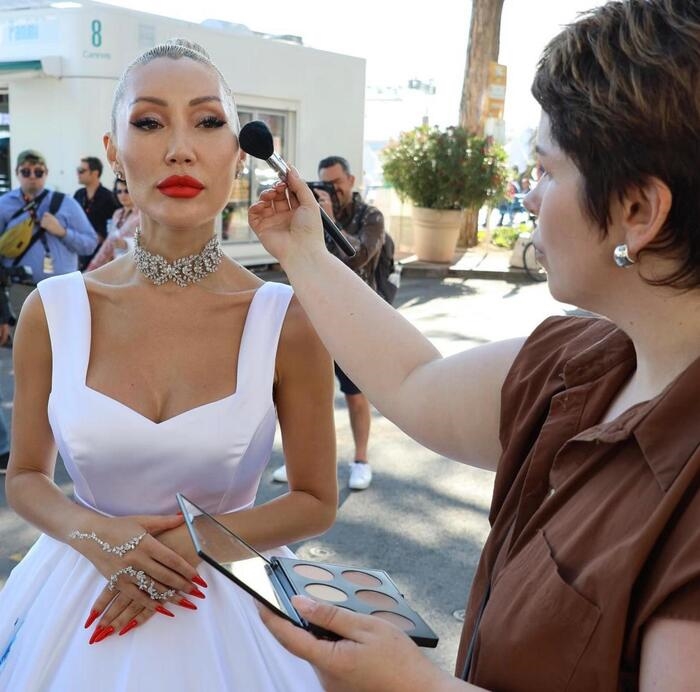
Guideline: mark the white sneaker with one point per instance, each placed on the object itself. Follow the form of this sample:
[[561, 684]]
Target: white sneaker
[[360, 476], [279, 475]]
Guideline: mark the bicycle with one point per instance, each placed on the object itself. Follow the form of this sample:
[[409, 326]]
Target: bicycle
[[530, 264]]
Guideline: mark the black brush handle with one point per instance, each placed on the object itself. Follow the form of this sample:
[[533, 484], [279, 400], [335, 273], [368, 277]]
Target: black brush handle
[[334, 232]]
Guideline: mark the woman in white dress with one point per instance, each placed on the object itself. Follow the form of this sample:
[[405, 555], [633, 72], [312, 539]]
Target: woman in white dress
[[162, 371]]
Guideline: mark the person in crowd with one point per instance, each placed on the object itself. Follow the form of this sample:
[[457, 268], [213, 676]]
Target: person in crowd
[[58, 237], [363, 225], [163, 371], [97, 201], [57, 232], [122, 228], [590, 577]]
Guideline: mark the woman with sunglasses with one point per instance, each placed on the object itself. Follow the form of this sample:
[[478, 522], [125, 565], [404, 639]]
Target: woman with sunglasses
[[163, 371], [121, 228]]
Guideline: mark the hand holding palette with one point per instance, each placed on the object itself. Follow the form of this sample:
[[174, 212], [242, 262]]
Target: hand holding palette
[[275, 580]]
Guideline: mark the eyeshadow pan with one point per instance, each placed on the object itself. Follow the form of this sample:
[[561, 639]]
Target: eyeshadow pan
[[376, 598], [326, 593], [361, 578], [395, 619], [313, 572]]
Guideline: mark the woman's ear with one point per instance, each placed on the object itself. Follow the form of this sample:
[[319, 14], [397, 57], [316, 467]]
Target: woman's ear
[[110, 148], [643, 212]]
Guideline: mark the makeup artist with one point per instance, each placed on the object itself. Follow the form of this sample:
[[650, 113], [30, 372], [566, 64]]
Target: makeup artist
[[590, 578]]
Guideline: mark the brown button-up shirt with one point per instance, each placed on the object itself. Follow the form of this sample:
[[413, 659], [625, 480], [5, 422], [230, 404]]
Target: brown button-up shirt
[[595, 527]]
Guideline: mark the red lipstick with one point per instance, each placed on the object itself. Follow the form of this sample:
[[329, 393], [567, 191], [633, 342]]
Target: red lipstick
[[180, 186]]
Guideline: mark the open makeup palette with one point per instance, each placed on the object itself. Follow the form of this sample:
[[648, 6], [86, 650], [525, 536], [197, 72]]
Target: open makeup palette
[[273, 581]]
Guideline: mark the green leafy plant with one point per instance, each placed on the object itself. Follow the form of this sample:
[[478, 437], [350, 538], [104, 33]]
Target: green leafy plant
[[506, 236], [445, 169]]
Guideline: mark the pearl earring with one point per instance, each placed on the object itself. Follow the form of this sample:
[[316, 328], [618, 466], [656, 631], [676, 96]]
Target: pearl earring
[[622, 257]]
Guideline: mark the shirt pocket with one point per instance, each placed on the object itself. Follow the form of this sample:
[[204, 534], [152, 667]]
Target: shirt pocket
[[535, 627]]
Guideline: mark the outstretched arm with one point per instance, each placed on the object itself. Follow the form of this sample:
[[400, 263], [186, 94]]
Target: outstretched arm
[[451, 405]]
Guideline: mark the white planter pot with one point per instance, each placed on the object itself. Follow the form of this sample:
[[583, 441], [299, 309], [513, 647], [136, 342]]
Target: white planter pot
[[435, 233]]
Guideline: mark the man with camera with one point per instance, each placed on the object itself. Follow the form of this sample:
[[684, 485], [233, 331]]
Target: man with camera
[[41, 235], [363, 226]]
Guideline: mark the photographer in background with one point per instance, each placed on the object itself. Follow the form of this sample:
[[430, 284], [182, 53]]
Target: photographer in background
[[363, 226], [57, 229]]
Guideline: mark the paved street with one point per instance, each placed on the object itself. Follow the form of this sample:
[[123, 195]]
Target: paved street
[[424, 519]]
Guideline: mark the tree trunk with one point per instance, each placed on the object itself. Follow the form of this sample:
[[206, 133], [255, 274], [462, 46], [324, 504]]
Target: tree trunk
[[484, 44]]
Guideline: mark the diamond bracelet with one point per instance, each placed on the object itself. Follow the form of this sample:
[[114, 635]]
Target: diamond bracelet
[[143, 581], [119, 550]]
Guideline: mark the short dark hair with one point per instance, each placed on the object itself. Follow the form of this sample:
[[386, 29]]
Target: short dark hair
[[94, 164], [620, 89], [335, 161]]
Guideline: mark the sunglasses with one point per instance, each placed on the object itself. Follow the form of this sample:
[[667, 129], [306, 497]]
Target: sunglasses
[[80, 171], [27, 172]]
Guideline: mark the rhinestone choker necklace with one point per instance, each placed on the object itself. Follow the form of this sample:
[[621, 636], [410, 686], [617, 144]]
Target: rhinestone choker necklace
[[183, 271]]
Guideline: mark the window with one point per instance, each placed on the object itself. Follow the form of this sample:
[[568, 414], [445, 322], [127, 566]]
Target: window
[[254, 175]]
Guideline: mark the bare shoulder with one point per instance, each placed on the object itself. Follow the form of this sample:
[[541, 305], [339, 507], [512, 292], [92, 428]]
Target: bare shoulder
[[32, 333], [297, 330], [299, 346]]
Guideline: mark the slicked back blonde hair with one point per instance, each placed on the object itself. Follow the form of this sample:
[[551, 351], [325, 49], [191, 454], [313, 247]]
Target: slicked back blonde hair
[[621, 87], [175, 49]]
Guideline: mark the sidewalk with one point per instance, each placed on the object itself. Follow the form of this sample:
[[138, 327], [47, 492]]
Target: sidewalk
[[485, 261]]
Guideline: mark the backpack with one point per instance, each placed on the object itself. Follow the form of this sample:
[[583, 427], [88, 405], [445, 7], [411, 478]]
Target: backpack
[[387, 274]]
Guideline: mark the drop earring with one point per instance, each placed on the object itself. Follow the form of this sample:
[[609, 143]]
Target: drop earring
[[622, 257]]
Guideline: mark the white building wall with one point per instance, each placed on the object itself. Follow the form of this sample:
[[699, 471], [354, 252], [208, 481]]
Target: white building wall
[[66, 116]]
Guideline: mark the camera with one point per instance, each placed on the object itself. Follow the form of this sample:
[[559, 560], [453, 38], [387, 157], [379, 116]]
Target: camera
[[326, 187]]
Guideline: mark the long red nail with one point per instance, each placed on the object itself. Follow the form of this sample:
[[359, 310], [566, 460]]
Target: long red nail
[[199, 581], [196, 593], [187, 604], [96, 633], [129, 626], [164, 611], [104, 634], [91, 618]]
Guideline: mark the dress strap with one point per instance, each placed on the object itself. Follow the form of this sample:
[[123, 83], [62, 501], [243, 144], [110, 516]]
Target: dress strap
[[258, 351], [68, 316]]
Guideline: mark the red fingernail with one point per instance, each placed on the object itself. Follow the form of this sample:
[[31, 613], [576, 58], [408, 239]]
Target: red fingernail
[[91, 618], [129, 626], [104, 634], [187, 604], [196, 593], [164, 611], [199, 581], [96, 633]]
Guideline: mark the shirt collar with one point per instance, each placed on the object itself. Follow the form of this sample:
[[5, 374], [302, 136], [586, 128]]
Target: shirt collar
[[666, 428]]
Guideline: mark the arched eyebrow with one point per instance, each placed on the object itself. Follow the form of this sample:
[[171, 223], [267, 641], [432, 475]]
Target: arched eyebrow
[[161, 102]]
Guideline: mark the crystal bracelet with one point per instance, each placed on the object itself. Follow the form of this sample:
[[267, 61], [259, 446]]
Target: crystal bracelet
[[119, 550], [143, 581]]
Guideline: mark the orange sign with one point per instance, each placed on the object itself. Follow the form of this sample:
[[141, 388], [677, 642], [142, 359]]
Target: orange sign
[[496, 91]]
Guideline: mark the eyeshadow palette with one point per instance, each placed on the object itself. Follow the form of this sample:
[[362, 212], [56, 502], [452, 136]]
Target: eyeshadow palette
[[273, 581]]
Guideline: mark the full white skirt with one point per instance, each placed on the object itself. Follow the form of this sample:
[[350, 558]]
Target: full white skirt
[[221, 646]]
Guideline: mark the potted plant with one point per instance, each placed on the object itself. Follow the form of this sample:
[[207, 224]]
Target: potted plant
[[443, 172]]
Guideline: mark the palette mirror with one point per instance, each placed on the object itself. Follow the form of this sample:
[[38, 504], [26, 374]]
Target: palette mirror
[[274, 580]]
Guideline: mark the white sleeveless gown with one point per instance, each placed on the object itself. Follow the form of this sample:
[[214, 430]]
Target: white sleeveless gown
[[122, 463]]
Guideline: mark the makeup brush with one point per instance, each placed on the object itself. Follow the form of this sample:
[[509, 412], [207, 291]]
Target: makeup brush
[[255, 139]]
